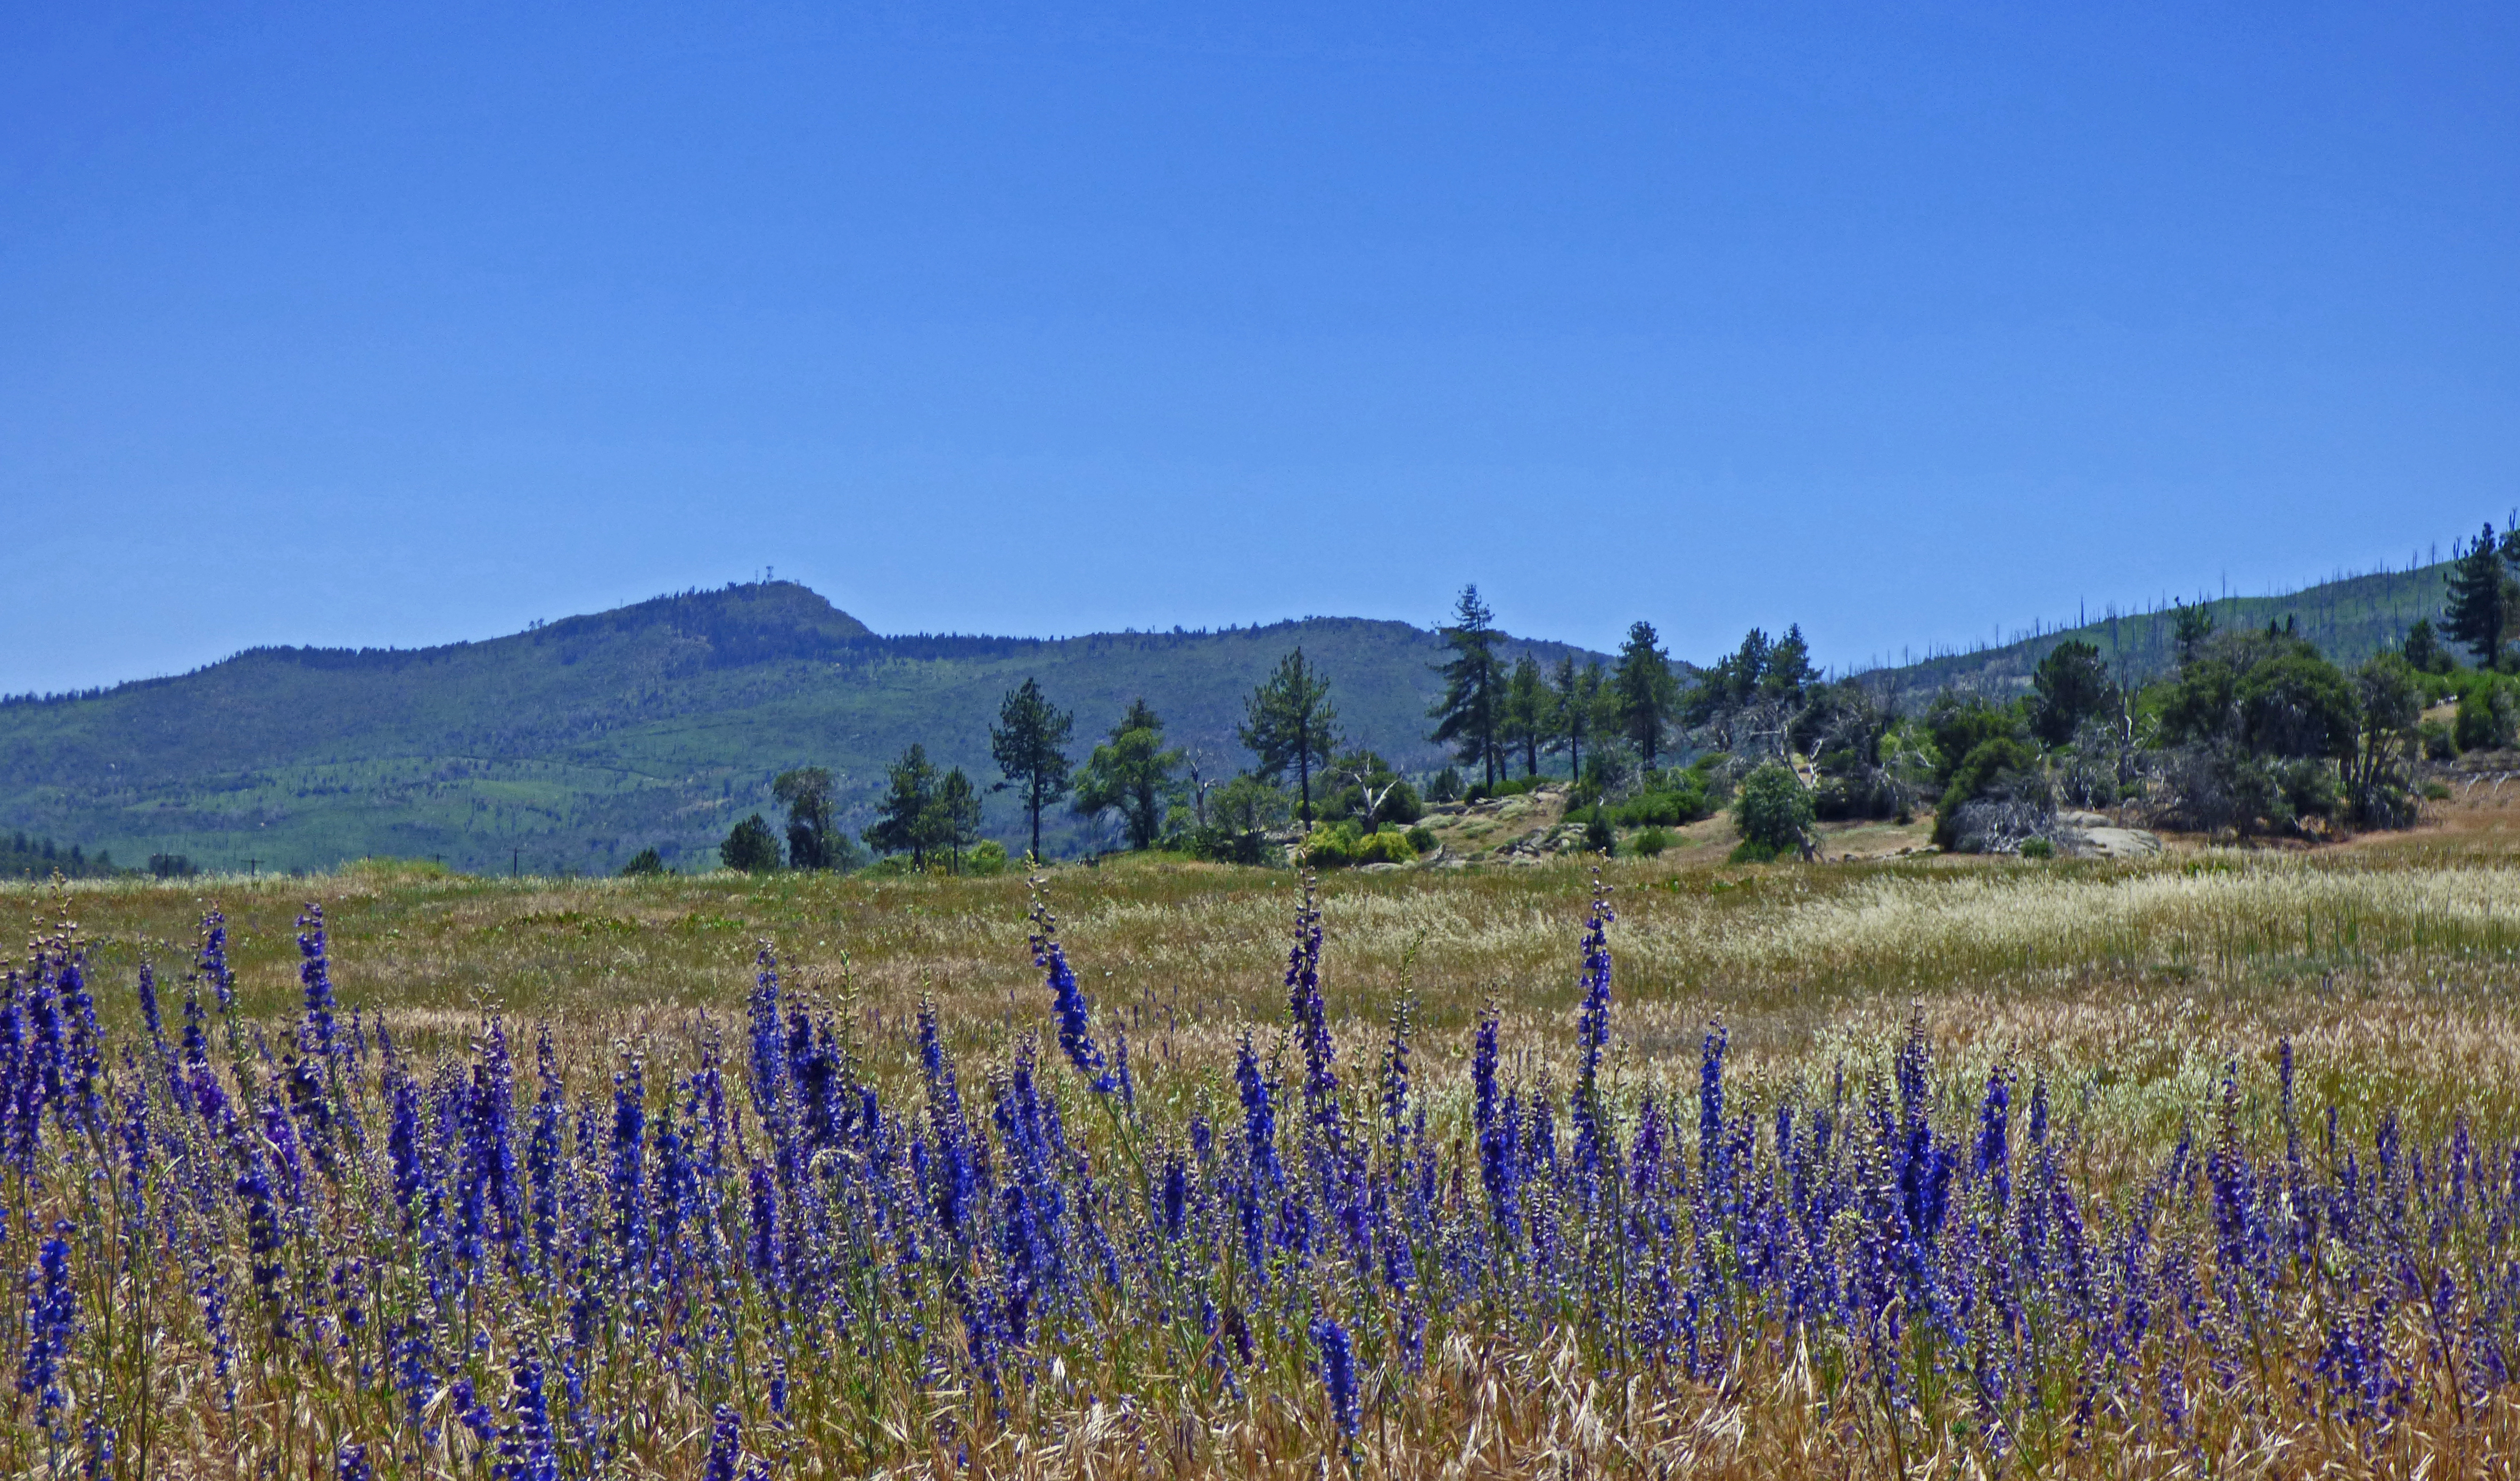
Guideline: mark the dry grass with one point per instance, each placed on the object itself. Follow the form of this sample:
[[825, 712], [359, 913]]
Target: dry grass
[[2131, 983]]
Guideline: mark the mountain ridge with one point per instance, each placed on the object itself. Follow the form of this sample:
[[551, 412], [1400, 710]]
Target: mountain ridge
[[576, 742]]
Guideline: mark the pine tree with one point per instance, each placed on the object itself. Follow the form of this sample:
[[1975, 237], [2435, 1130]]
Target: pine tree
[[904, 820], [1132, 775], [1029, 743], [1288, 723], [2479, 611], [1466, 718], [1574, 709], [751, 848], [957, 813], [1528, 715], [1646, 691]]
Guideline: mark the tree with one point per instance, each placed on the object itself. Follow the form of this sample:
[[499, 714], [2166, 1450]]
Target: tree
[[1288, 723], [1466, 718], [1789, 667], [2070, 686], [813, 842], [904, 820], [2298, 706], [1644, 690], [1242, 811], [958, 815], [1029, 743], [2195, 624], [1528, 718], [2480, 605], [644, 864], [2424, 652], [1773, 812], [1575, 703], [1132, 775], [751, 848], [2379, 780], [1372, 792]]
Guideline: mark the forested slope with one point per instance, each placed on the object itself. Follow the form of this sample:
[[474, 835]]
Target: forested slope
[[581, 741]]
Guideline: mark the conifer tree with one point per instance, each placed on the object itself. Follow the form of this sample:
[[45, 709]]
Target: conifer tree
[[1466, 718], [904, 819], [1529, 717], [957, 815], [1574, 711], [1132, 775], [2479, 610], [1029, 743], [1646, 691], [1289, 724]]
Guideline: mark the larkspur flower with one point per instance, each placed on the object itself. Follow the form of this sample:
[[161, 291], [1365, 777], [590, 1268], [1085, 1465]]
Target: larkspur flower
[[1075, 1017], [1338, 1372]]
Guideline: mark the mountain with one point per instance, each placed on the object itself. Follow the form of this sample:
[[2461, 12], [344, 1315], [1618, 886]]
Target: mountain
[[2350, 618], [577, 743]]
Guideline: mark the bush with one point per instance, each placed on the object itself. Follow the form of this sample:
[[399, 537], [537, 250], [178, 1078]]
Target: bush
[[2433, 738], [1748, 852], [987, 857], [1341, 846], [1650, 844], [645, 864], [1598, 838], [2002, 763], [2486, 718], [1423, 839], [1447, 786], [751, 848], [1772, 810], [1666, 807], [2038, 849]]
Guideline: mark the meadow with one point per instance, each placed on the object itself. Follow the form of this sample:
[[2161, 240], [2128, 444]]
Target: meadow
[[2198, 1165]]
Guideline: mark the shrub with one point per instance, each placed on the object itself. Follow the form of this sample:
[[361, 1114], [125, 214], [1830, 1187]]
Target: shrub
[[2000, 763], [987, 857], [1423, 839], [2038, 849], [1662, 807], [751, 848], [1772, 810], [1650, 844], [1597, 835], [1447, 786], [2486, 718], [1748, 852], [1341, 846], [2433, 737], [642, 864]]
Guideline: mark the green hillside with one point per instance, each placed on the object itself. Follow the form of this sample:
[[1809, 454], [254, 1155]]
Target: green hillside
[[576, 745], [2350, 618]]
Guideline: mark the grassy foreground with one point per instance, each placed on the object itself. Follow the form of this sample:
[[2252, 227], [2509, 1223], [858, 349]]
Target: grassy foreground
[[1992, 1167]]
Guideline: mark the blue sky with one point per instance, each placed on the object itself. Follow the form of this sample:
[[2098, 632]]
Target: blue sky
[[378, 325]]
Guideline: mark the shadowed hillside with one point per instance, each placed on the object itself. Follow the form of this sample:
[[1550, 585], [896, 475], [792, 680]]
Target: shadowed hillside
[[583, 740]]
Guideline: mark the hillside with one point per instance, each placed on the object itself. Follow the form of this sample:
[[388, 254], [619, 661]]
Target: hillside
[[573, 745], [2350, 618]]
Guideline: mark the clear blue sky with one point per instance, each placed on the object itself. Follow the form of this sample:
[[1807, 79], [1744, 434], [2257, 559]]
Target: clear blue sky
[[378, 325]]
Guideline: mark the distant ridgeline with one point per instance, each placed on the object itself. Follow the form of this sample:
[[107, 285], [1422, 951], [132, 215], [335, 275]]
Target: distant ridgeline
[[2349, 618], [573, 746]]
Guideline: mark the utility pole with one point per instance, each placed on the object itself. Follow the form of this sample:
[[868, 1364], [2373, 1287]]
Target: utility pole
[[253, 869]]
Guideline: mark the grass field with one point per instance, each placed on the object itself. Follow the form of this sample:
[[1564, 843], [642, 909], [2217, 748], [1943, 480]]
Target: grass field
[[2147, 1004]]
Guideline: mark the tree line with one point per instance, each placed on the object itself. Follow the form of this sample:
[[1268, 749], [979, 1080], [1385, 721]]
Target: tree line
[[2252, 732]]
